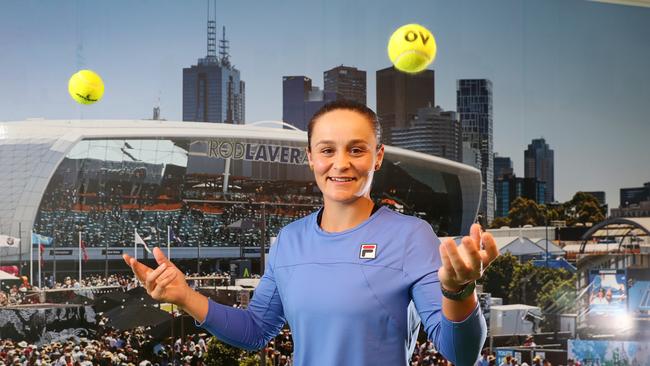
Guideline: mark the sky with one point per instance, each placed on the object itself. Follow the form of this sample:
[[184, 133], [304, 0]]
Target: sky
[[573, 72]]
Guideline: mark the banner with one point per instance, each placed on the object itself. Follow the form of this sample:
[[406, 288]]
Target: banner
[[7, 241], [601, 353]]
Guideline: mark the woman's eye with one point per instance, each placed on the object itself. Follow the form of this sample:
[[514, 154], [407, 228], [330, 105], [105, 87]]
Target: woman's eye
[[356, 150], [327, 151]]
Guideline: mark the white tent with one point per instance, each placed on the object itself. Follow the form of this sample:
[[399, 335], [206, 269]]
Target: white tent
[[4, 276]]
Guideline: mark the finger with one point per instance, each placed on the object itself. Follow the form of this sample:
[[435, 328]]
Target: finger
[[160, 256], [491, 250], [140, 270], [446, 262], [456, 260], [475, 234], [158, 292], [170, 272], [162, 283], [153, 275], [470, 248]]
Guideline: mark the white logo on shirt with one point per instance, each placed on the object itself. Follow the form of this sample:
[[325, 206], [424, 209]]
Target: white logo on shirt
[[368, 251]]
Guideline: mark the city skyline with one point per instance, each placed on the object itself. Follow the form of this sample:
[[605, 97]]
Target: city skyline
[[572, 72]]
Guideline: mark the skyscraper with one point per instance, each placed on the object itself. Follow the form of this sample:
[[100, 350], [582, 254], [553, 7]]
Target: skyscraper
[[434, 132], [212, 89], [474, 106], [300, 100], [539, 164], [399, 95], [508, 188], [502, 166], [349, 82]]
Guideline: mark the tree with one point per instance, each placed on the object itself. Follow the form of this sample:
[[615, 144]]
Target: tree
[[496, 278], [557, 297], [524, 211], [552, 290], [499, 222], [583, 208], [222, 354]]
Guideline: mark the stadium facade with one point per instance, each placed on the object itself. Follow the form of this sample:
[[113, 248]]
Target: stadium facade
[[217, 189]]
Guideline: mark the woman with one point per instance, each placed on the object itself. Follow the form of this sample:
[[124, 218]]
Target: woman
[[343, 277]]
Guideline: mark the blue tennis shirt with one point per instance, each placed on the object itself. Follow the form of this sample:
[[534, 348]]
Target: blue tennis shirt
[[345, 296]]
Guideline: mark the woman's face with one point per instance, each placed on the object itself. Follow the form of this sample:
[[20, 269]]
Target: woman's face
[[344, 155]]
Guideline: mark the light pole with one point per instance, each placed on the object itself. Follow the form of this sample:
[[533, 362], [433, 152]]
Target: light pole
[[546, 232]]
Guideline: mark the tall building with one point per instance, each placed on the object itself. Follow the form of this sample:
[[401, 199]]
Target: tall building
[[349, 82], [471, 156], [300, 100], [212, 89], [634, 196], [400, 95], [539, 164], [508, 188], [502, 166], [474, 106], [433, 131]]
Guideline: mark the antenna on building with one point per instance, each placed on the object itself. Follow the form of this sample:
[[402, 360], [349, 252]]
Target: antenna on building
[[212, 33], [223, 49]]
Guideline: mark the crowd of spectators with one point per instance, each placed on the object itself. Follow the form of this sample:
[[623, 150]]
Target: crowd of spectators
[[109, 216], [110, 348]]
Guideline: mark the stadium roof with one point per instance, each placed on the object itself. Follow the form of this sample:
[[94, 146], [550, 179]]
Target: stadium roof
[[619, 228], [31, 151]]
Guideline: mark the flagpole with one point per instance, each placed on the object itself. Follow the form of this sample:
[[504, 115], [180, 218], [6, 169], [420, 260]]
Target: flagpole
[[79, 258], [135, 244], [31, 258], [168, 246], [40, 264], [20, 249]]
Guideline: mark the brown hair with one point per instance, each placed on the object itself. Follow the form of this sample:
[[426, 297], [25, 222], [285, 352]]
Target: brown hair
[[347, 105]]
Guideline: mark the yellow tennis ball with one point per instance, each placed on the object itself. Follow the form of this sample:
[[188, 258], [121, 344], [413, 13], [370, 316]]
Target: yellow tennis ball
[[86, 87], [411, 48]]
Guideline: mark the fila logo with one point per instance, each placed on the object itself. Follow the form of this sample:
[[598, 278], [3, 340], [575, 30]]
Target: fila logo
[[368, 251]]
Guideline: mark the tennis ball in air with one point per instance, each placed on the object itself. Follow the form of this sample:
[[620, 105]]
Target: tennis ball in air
[[86, 87], [411, 48]]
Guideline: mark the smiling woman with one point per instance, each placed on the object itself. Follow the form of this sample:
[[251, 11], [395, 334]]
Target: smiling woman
[[343, 277]]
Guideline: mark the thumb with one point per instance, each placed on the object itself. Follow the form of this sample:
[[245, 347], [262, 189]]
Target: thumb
[[160, 256]]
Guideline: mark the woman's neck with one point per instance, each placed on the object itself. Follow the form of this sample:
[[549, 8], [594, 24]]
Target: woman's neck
[[339, 217]]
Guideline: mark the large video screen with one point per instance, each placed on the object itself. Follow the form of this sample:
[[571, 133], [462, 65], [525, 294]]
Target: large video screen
[[607, 296]]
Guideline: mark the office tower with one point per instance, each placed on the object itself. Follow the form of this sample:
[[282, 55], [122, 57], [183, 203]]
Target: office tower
[[539, 164], [212, 89], [502, 166], [634, 196], [400, 95], [349, 82], [433, 131], [300, 100], [508, 187], [474, 107]]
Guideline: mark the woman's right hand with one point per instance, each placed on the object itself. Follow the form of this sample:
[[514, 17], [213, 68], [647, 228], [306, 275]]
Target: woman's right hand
[[165, 283]]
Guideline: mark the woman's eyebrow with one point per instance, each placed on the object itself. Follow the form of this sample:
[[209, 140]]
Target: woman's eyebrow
[[351, 142]]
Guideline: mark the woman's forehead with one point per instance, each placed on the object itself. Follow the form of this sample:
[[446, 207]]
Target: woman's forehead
[[343, 125]]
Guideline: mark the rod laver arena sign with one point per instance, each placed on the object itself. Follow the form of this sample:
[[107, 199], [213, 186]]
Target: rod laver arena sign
[[251, 151]]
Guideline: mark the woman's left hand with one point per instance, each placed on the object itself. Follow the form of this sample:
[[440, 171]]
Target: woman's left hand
[[465, 263]]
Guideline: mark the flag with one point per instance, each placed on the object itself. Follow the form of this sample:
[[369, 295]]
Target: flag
[[173, 237], [139, 240], [42, 240], [83, 250], [7, 241], [41, 248]]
